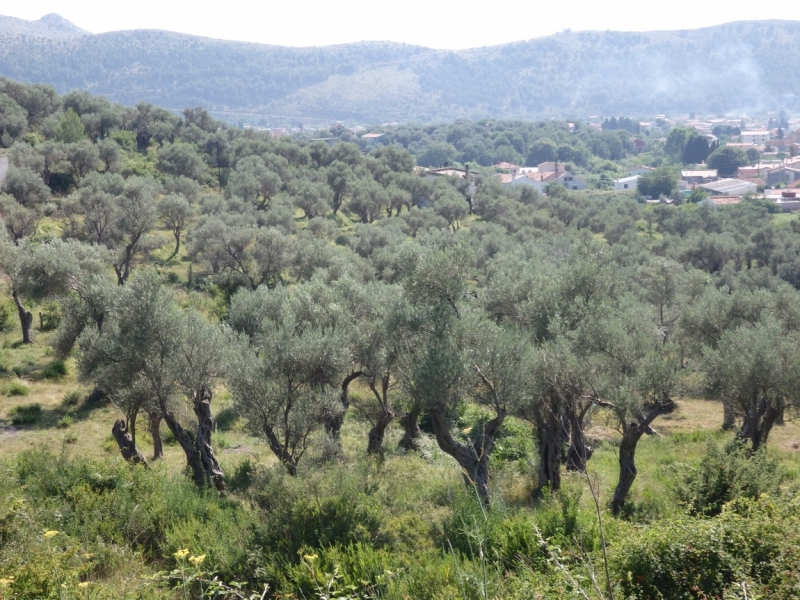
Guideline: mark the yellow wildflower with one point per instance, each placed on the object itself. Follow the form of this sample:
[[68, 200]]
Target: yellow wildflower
[[197, 560], [181, 554], [50, 533], [84, 584], [310, 556]]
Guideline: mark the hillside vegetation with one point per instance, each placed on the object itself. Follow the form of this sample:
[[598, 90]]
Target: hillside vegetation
[[743, 66], [238, 366]]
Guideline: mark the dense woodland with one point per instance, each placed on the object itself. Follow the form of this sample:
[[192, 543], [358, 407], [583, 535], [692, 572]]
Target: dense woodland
[[423, 370], [737, 67]]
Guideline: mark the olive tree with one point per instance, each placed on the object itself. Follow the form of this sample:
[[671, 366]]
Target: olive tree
[[285, 378], [754, 371], [43, 271], [149, 355], [175, 211]]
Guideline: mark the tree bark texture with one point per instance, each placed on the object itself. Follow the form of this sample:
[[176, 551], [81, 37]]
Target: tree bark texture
[[579, 452], [125, 442], [472, 458], [758, 422], [728, 416], [212, 472], [154, 426], [631, 434], [411, 431], [333, 421], [199, 456], [376, 434], [25, 319], [549, 428]]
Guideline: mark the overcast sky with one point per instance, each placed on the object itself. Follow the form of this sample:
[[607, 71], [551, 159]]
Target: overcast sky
[[453, 25]]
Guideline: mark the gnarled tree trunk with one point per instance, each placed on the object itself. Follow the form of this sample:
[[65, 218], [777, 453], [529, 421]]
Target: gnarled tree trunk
[[25, 318], [127, 447], [728, 416], [376, 434], [154, 427], [411, 431], [757, 423], [631, 434], [333, 421], [473, 459], [212, 472], [549, 429], [579, 451]]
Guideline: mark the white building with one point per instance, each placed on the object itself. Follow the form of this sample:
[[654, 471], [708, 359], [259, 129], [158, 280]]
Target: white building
[[730, 187], [758, 137], [639, 170], [540, 181], [626, 184]]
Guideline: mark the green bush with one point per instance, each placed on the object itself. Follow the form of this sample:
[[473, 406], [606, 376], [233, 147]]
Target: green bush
[[6, 318], [71, 398], [752, 541], [26, 414], [55, 369], [725, 474], [50, 316], [15, 388]]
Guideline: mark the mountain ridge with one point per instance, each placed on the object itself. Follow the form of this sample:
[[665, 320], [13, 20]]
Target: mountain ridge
[[744, 65]]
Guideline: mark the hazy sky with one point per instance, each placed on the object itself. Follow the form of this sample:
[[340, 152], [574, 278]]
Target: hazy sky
[[452, 25]]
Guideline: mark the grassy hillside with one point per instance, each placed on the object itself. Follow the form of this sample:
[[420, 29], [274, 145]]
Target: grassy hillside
[[750, 66]]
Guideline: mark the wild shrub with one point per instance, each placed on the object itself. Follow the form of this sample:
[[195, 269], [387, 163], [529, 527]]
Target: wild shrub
[[16, 388], [50, 316], [55, 369], [751, 541], [26, 414], [724, 474], [71, 398]]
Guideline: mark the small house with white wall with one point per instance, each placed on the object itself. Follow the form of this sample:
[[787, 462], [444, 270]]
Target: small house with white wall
[[626, 184]]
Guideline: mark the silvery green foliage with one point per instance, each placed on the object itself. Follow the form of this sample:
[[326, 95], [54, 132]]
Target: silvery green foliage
[[286, 368]]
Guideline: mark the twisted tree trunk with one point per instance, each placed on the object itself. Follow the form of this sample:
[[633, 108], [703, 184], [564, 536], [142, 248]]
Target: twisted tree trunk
[[212, 472], [579, 452], [728, 416], [154, 426], [758, 422], [333, 421], [385, 416], [376, 434], [411, 431], [631, 434], [127, 447], [472, 458], [549, 428], [199, 456], [25, 318]]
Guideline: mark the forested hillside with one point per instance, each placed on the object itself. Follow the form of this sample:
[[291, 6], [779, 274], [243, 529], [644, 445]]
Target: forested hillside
[[237, 366], [746, 66]]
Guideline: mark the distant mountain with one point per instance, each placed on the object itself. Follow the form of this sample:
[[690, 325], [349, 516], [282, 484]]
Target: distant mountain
[[49, 26], [742, 66]]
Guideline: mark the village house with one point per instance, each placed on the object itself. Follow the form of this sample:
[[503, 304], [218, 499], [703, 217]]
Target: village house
[[787, 200], [372, 139], [508, 167], [540, 181], [730, 187], [643, 170], [757, 137], [717, 201], [699, 176], [626, 184]]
